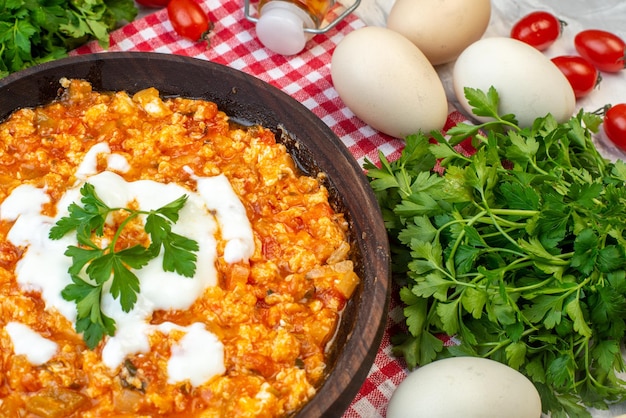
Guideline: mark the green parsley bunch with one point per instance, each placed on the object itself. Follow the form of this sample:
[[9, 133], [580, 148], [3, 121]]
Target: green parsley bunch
[[518, 250], [36, 31]]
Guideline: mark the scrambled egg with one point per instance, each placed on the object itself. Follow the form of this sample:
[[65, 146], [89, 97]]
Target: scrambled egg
[[274, 313]]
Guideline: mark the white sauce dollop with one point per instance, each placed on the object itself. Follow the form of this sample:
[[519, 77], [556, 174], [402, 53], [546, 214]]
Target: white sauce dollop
[[231, 215], [198, 356], [43, 267], [37, 349]]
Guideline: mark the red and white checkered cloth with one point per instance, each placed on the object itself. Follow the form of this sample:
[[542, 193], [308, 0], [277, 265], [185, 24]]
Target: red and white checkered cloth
[[306, 77]]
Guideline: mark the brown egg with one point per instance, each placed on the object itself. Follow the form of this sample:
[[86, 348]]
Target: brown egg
[[441, 29]]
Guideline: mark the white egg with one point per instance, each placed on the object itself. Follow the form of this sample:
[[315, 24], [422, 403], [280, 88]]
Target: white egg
[[467, 387], [528, 83], [441, 29], [388, 82]]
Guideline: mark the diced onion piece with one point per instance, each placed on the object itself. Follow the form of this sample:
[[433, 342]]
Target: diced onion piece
[[347, 280], [55, 402]]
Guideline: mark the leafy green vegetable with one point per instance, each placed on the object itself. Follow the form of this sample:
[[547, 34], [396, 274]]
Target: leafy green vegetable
[[36, 31], [103, 264], [518, 250]]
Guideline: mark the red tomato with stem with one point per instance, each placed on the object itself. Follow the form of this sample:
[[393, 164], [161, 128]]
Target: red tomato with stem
[[614, 125], [539, 29], [581, 74], [603, 49], [188, 19], [154, 4]]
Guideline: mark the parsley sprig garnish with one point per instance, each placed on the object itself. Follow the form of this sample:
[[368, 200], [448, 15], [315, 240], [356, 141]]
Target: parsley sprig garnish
[[103, 264], [34, 31], [519, 250]]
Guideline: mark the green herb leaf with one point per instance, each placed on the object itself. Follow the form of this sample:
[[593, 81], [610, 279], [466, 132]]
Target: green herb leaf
[[93, 266], [179, 255], [91, 321], [178, 251], [125, 284]]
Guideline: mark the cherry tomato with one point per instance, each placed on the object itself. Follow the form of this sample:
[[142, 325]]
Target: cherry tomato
[[539, 29], [153, 4], [615, 125], [603, 49], [188, 19], [581, 74]]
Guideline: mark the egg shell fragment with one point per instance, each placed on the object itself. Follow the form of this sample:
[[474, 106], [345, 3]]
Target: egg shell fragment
[[388, 83], [441, 29], [468, 387], [528, 83]]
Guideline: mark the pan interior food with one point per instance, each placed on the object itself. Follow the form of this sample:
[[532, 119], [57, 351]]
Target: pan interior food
[[157, 259]]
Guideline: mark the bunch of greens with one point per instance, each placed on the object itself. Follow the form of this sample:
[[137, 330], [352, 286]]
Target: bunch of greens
[[108, 264], [36, 31], [518, 250]]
